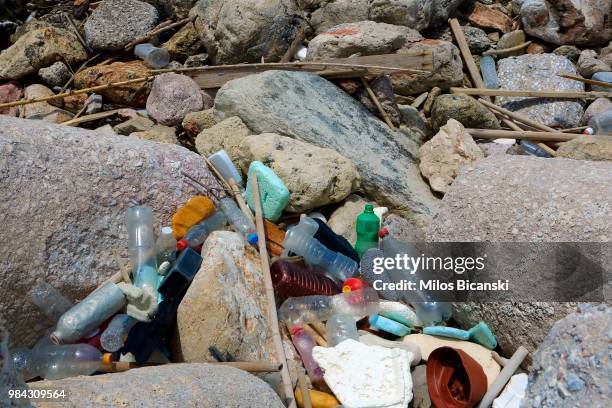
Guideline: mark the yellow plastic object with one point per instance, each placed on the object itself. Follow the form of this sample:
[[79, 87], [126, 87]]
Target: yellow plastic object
[[319, 399], [194, 211]]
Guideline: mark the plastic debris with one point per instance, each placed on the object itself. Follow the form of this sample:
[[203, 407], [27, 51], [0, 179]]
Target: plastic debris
[[116, 332], [225, 166], [389, 326], [57, 362], [513, 394], [197, 234], [182, 273], [367, 227], [292, 277], [400, 313], [153, 56], [274, 194], [304, 344], [141, 245], [373, 340], [49, 301], [194, 211], [340, 327]]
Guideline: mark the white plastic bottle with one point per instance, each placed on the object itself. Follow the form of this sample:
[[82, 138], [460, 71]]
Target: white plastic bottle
[[225, 166]]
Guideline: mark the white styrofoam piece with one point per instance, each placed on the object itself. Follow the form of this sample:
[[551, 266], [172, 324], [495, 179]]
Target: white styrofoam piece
[[513, 394]]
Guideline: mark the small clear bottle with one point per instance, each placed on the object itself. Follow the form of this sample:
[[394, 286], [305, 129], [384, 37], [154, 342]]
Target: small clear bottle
[[533, 149], [197, 234], [304, 343], [488, 70], [153, 56], [57, 362], [165, 246], [238, 219], [225, 166], [141, 245], [50, 301], [341, 327], [117, 332]]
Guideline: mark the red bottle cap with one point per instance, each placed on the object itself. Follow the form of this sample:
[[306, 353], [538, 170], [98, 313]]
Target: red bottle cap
[[352, 284], [295, 330], [181, 245], [383, 232]]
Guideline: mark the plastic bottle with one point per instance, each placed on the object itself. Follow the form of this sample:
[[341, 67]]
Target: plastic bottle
[[199, 232], [371, 273], [153, 56], [341, 327], [304, 343], [117, 331], [89, 314], [308, 309], [57, 362], [533, 149], [238, 219], [225, 166], [165, 246], [141, 245], [602, 123], [432, 313], [292, 277], [50, 301], [488, 70], [300, 241], [367, 227]]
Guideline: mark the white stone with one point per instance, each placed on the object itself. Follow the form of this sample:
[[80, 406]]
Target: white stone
[[513, 393], [366, 376]]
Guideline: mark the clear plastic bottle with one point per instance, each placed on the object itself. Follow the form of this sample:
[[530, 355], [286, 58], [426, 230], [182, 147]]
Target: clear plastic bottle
[[432, 313], [488, 70], [533, 149], [89, 314], [341, 327], [141, 245], [300, 241], [117, 331], [308, 309], [197, 234], [153, 56], [50, 301], [238, 219], [165, 246], [57, 362], [304, 343], [225, 166]]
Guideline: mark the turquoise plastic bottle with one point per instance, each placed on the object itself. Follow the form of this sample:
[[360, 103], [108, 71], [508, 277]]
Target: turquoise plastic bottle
[[367, 228]]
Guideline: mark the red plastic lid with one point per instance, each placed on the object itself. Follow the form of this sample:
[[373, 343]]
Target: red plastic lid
[[296, 330], [352, 284], [181, 245], [383, 232]]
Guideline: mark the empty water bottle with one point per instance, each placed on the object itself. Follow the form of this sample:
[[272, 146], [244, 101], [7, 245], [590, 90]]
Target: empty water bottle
[[225, 166], [57, 362], [89, 314], [308, 309], [165, 246], [238, 219], [197, 234], [300, 241], [117, 331], [489, 72], [533, 149], [341, 327], [50, 301], [304, 343], [141, 245], [153, 56], [372, 274]]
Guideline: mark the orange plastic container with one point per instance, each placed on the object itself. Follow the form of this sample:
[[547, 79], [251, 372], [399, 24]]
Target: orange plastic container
[[194, 211]]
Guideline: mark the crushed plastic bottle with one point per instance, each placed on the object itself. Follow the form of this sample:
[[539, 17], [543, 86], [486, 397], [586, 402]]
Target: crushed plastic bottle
[[197, 234], [299, 240], [488, 70], [57, 362], [153, 56], [238, 219], [225, 166], [367, 227], [308, 309], [304, 343], [165, 246], [341, 327], [117, 332], [49, 301], [141, 245], [533, 149]]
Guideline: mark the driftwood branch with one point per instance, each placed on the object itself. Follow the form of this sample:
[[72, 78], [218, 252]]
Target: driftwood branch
[[531, 94]]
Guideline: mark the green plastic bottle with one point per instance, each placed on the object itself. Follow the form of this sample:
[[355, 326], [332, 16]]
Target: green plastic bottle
[[367, 228]]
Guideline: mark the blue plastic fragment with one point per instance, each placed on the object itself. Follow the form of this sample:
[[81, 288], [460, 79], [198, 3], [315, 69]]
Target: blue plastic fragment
[[389, 326], [444, 331], [482, 335]]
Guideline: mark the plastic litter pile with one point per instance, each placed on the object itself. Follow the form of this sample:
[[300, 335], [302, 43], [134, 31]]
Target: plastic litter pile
[[357, 345]]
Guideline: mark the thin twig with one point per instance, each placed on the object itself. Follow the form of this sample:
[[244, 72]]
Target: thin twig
[[377, 103], [78, 34], [586, 81], [531, 94], [505, 51], [157, 30]]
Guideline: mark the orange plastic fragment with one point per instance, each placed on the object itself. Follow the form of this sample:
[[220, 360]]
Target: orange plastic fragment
[[194, 211]]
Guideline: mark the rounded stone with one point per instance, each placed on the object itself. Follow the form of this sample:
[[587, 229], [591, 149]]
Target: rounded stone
[[172, 97]]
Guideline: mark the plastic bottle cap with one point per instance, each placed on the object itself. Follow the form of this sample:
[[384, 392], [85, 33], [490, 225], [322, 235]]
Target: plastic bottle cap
[[181, 245], [352, 284], [295, 330], [166, 230], [107, 358], [252, 238], [383, 232], [369, 208]]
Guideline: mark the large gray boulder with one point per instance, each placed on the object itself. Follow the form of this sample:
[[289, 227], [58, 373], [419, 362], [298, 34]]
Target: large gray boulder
[[571, 368], [524, 199], [309, 108], [585, 22], [65, 193], [173, 385], [235, 31]]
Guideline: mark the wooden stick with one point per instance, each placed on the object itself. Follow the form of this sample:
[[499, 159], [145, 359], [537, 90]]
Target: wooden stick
[[295, 44], [514, 134], [504, 51], [304, 390], [419, 100], [83, 65], [90, 118], [240, 200], [250, 366], [157, 30], [77, 33], [586, 81], [272, 316], [320, 340], [320, 328], [531, 94], [216, 172], [468, 59], [75, 92], [572, 130], [377, 103]]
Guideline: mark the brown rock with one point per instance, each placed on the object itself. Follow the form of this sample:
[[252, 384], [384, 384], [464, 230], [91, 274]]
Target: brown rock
[[537, 48], [596, 148], [137, 124], [10, 92], [75, 103], [43, 110], [184, 43], [131, 95], [196, 122], [158, 133], [488, 18], [383, 89]]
